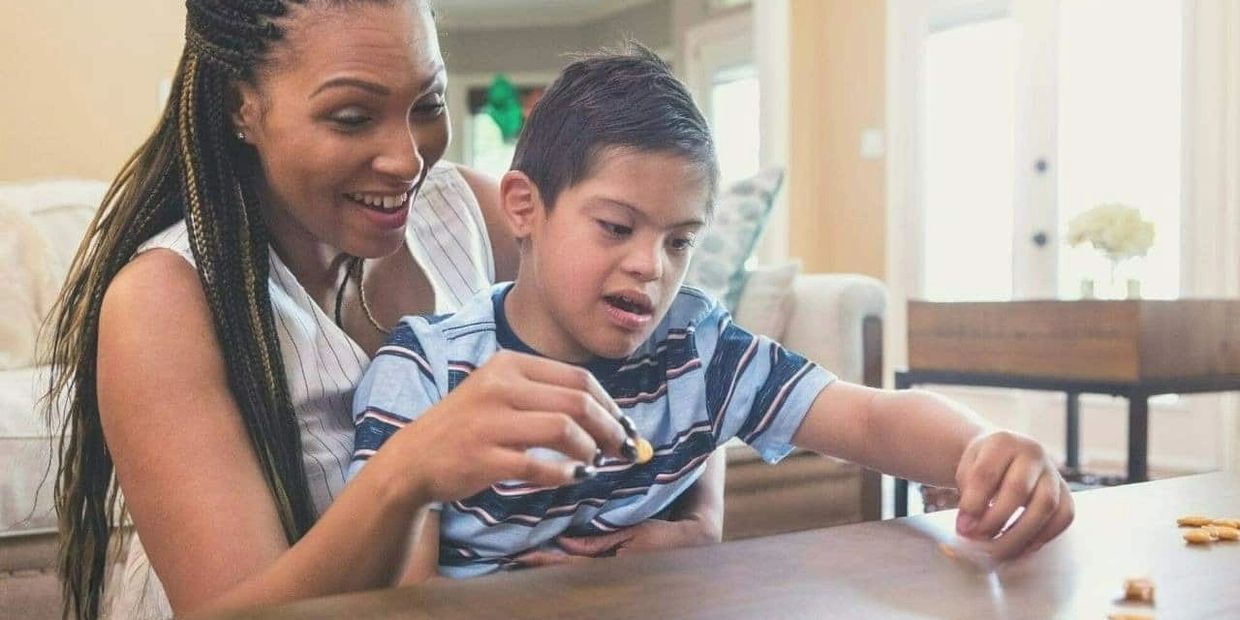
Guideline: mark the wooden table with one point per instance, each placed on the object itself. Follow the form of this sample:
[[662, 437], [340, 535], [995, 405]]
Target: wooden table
[[1134, 349], [888, 569]]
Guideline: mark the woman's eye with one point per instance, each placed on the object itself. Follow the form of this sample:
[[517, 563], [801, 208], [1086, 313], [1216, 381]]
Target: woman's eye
[[430, 108], [350, 119], [615, 230]]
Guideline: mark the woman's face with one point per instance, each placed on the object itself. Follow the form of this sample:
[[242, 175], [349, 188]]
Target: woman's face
[[347, 117]]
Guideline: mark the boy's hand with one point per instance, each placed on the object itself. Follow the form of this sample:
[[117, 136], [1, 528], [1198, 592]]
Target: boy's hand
[[999, 473], [649, 535]]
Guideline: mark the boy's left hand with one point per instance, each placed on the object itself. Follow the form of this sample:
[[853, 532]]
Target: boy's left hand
[[999, 473], [648, 535]]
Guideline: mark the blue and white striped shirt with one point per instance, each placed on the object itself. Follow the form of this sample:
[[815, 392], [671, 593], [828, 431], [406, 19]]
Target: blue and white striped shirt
[[696, 383]]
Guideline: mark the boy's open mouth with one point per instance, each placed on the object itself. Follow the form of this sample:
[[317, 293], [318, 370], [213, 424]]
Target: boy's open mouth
[[632, 303]]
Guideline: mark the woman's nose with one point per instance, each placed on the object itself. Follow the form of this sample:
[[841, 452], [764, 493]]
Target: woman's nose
[[400, 157]]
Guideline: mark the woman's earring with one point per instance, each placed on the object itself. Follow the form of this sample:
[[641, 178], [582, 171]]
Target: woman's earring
[[241, 135]]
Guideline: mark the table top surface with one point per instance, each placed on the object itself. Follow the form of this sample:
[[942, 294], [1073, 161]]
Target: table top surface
[[889, 569]]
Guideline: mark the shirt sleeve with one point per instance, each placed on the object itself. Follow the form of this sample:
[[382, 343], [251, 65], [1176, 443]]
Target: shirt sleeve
[[756, 389], [397, 388]]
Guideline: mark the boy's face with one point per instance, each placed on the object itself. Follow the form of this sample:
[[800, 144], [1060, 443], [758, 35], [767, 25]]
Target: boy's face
[[601, 268]]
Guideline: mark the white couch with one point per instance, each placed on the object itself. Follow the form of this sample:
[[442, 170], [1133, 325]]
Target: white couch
[[833, 319]]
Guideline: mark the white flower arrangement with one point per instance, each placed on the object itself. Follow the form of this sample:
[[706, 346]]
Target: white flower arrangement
[[1116, 230]]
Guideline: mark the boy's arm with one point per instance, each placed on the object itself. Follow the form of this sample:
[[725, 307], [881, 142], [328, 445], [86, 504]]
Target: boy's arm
[[702, 502], [909, 433], [925, 437], [423, 554]]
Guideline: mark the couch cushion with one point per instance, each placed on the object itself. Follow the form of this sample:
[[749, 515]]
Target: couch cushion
[[41, 225], [28, 476], [740, 214], [766, 300]]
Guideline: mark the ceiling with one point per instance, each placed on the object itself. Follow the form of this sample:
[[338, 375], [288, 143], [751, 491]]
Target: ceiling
[[496, 14]]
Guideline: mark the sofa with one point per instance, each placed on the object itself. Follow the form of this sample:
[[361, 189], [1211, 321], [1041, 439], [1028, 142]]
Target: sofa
[[835, 320]]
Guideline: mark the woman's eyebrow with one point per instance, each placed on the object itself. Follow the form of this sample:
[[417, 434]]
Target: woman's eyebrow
[[374, 87]]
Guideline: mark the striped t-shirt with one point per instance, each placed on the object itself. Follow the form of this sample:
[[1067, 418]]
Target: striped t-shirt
[[696, 383]]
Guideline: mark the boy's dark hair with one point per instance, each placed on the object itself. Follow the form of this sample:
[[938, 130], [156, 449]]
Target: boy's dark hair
[[626, 98]]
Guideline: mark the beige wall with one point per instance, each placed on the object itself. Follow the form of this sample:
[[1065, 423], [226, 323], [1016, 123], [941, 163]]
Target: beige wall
[[81, 82], [837, 89]]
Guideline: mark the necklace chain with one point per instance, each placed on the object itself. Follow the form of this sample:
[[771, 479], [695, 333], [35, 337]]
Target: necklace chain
[[356, 271]]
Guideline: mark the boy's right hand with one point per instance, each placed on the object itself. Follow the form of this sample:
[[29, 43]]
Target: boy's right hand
[[479, 433]]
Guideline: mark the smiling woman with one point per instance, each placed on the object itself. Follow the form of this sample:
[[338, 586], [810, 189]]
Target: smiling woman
[[215, 322]]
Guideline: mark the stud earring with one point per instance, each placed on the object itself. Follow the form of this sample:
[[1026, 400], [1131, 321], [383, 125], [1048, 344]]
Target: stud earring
[[241, 135]]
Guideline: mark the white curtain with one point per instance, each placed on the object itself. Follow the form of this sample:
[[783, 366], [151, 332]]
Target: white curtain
[[1212, 162]]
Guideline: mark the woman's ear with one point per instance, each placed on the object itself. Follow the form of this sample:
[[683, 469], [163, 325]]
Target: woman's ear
[[520, 202], [247, 111]]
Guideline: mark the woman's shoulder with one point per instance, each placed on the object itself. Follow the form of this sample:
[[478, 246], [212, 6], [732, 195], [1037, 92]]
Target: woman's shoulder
[[174, 238]]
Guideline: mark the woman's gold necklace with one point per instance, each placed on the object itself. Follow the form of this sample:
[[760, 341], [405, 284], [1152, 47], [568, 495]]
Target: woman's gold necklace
[[355, 270]]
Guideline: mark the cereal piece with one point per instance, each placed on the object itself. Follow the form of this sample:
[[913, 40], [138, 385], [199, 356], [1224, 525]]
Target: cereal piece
[[1193, 521], [1223, 532], [645, 451], [1232, 523], [1127, 616], [1198, 536], [1139, 590], [947, 550], [1212, 530]]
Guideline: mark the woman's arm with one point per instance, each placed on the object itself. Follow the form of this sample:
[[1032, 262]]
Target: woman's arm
[[192, 483], [503, 244]]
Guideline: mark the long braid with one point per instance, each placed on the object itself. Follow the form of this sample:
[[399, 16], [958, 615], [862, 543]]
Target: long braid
[[189, 168]]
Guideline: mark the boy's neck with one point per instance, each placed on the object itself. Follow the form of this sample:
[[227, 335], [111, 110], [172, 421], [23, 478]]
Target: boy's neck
[[534, 325]]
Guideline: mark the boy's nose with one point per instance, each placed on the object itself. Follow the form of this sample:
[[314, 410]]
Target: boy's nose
[[646, 263]]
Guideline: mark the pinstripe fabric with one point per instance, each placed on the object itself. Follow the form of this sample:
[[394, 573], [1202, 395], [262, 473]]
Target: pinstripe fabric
[[448, 238]]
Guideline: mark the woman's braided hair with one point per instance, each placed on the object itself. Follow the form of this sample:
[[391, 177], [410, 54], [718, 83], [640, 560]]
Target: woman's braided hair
[[191, 167]]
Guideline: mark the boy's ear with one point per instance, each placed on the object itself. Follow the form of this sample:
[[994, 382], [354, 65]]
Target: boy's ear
[[521, 203]]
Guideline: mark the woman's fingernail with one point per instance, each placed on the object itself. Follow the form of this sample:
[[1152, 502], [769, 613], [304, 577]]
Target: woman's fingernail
[[629, 449], [965, 523], [630, 428], [598, 458], [581, 472]]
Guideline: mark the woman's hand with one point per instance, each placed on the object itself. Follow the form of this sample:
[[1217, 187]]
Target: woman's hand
[[999, 473], [479, 433], [649, 535]]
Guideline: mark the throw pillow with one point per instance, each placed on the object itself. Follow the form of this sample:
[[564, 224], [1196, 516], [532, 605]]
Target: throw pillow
[[741, 212], [766, 300]]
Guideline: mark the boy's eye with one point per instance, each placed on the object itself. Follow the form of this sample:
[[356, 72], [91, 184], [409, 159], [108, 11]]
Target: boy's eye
[[615, 230], [683, 244]]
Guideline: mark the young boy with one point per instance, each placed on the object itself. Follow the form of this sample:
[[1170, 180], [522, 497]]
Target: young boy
[[612, 181]]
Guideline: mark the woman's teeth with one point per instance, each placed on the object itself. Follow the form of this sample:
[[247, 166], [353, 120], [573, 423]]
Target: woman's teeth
[[380, 202]]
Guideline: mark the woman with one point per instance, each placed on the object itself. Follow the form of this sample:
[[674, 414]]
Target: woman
[[242, 269]]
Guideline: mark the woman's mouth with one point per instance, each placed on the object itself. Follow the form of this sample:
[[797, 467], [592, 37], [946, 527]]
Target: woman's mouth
[[383, 203], [386, 211]]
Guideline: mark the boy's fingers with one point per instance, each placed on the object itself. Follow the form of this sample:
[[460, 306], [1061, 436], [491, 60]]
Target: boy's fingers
[[537, 558], [1016, 490], [593, 546], [1065, 512], [1042, 504], [979, 482]]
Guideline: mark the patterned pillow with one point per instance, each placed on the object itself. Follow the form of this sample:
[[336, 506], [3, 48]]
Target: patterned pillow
[[718, 265]]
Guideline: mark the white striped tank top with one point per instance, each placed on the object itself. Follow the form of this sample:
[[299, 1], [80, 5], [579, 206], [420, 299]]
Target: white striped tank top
[[447, 237]]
